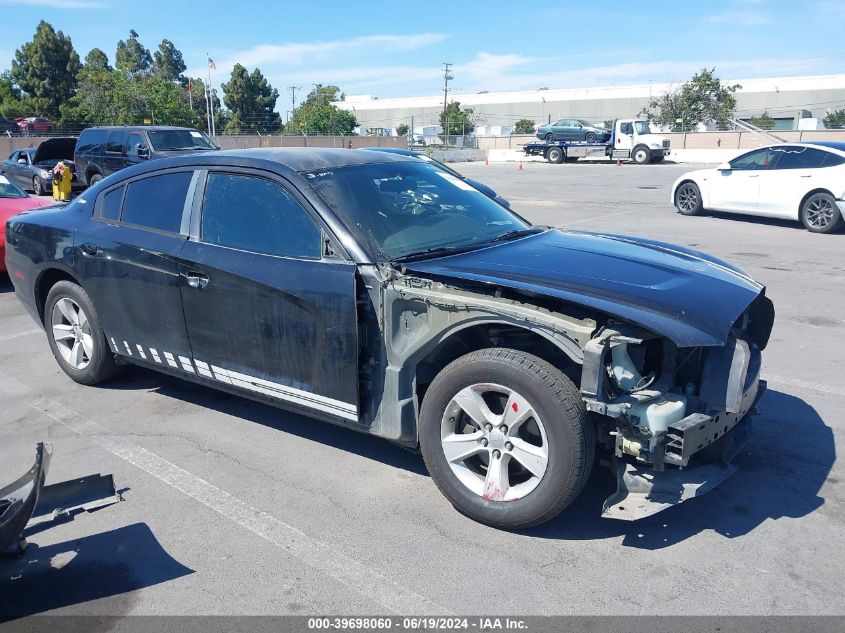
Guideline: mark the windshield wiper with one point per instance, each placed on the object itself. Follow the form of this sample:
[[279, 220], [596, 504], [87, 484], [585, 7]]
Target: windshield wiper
[[511, 235], [432, 252]]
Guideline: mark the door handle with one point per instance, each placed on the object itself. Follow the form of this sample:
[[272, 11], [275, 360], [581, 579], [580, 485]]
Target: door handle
[[754, 176], [807, 176], [196, 279], [90, 250]]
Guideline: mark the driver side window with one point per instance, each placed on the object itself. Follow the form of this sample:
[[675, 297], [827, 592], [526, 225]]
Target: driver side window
[[758, 159]]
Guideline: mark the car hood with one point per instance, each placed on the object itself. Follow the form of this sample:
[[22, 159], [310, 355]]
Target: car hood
[[687, 296], [13, 206], [55, 149]]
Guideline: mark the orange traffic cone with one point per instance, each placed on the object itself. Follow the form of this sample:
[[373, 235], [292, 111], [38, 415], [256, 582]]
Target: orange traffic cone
[[520, 166], [618, 163], [485, 162]]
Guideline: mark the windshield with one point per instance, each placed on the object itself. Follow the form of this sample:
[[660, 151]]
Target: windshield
[[405, 209], [642, 127], [10, 190], [165, 140]]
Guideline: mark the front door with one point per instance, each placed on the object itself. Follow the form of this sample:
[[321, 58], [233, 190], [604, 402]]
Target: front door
[[738, 188], [114, 157], [265, 310], [128, 256]]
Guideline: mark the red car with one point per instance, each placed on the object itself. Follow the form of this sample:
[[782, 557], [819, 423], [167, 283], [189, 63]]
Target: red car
[[34, 124], [14, 200]]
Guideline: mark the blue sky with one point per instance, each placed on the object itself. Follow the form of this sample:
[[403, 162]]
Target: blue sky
[[396, 48]]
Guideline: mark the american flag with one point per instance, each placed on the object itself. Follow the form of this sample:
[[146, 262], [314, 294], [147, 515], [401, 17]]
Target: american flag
[[211, 64]]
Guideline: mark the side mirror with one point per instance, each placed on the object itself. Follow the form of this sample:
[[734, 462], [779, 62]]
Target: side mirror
[[724, 167], [143, 152]]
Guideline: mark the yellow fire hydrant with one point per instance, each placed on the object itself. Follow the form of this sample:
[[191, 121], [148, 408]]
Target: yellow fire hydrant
[[62, 177]]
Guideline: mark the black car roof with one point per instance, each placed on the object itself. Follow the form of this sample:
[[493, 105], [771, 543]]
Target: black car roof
[[840, 145], [149, 128], [298, 159]]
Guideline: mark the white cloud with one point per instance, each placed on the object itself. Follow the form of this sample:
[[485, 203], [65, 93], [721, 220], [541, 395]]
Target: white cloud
[[269, 56], [741, 17], [59, 4]]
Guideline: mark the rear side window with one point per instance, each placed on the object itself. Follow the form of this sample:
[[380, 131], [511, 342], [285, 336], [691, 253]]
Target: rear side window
[[797, 157], [110, 207], [157, 202], [115, 142], [91, 141], [832, 160], [257, 215]]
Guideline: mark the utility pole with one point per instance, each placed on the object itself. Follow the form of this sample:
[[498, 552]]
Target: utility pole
[[446, 77], [293, 90]]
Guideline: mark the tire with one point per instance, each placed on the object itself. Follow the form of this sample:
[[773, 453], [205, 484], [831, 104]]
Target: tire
[[641, 155], [93, 180], [555, 155], [86, 363], [550, 137], [590, 137], [557, 426], [38, 186], [820, 213], [688, 199]]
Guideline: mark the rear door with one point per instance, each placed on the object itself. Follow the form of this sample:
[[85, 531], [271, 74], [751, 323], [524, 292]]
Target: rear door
[[127, 259], [266, 310], [795, 172], [11, 168], [114, 157]]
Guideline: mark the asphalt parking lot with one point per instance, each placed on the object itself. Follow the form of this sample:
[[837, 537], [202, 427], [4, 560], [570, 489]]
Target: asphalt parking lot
[[233, 507]]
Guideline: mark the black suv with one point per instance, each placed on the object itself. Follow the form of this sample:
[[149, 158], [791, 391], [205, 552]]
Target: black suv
[[101, 151]]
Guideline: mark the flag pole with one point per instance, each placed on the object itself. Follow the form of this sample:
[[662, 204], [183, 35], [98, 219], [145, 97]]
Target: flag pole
[[210, 96]]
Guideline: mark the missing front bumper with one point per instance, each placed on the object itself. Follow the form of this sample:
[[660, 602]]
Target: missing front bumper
[[642, 492]]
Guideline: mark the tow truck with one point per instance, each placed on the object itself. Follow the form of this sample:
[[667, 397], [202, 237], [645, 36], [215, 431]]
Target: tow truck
[[630, 139]]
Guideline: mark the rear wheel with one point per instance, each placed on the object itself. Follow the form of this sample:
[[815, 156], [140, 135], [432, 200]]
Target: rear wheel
[[688, 199], [555, 155], [821, 214], [550, 137], [75, 336], [506, 437], [38, 185]]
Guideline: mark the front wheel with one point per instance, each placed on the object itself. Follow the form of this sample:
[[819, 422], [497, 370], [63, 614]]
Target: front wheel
[[506, 437], [820, 213], [688, 199], [93, 180], [641, 155], [38, 186], [76, 339]]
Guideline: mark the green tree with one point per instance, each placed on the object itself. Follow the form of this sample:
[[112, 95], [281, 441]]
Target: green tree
[[10, 96], [764, 121], [402, 129], [456, 120], [701, 100], [96, 59], [132, 57], [168, 63], [46, 69], [523, 126], [318, 114], [252, 102], [835, 119]]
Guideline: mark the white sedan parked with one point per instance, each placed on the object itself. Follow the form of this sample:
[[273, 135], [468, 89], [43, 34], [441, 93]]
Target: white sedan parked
[[795, 181]]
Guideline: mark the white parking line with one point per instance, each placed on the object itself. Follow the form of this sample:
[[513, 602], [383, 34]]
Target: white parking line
[[9, 337], [358, 577]]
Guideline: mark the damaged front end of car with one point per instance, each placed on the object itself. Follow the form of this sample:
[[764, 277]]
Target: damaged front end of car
[[673, 417]]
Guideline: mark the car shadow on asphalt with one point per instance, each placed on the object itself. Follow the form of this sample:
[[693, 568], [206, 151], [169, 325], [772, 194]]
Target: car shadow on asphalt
[[109, 565], [367, 446], [781, 473], [753, 219]]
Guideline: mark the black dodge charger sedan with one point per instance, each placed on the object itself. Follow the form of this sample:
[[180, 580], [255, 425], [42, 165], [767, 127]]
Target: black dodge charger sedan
[[381, 293]]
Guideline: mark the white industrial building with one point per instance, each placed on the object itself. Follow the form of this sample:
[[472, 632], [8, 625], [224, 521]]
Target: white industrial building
[[786, 99]]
